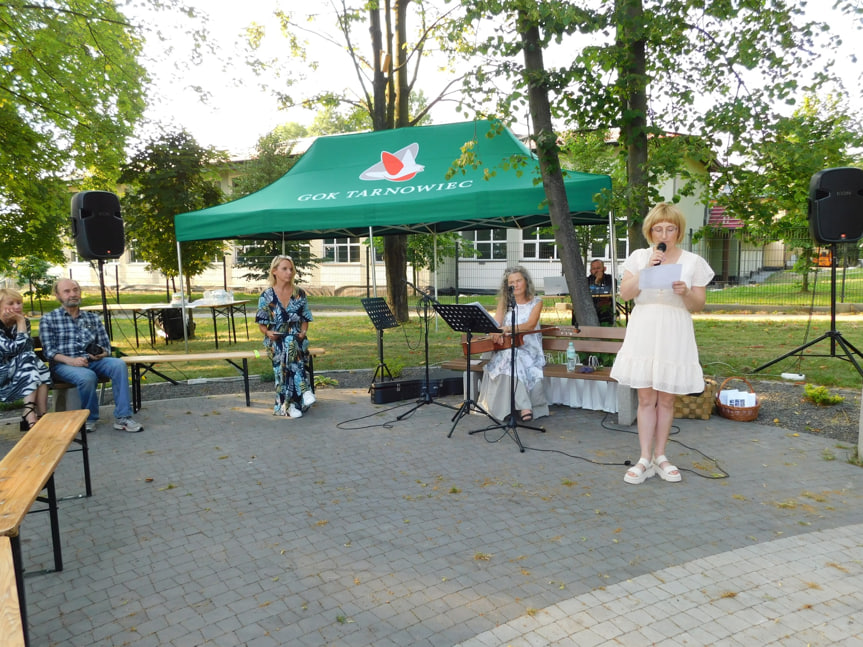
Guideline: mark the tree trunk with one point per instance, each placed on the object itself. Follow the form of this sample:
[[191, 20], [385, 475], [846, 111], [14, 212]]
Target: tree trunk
[[552, 177], [379, 79], [633, 131], [396, 246], [395, 262]]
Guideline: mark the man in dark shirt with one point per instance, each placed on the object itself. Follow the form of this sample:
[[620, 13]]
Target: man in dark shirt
[[600, 289]]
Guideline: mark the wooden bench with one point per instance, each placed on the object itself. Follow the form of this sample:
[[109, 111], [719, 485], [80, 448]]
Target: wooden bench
[[25, 471], [587, 340], [65, 394], [239, 359], [11, 629]]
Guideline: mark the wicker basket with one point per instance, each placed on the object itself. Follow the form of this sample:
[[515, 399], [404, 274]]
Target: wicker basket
[[697, 407], [741, 414]]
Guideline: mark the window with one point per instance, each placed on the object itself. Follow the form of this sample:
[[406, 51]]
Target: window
[[342, 250], [133, 253], [538, 243], [490, 244]]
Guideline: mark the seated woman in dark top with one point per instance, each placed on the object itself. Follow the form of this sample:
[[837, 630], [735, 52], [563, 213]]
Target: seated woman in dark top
[[22, 373]]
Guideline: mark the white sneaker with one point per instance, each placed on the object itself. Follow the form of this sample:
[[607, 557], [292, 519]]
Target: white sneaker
[[293, 412], [309, 399], [127, 424]]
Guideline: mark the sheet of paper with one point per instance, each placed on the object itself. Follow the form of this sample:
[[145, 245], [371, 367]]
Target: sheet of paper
[[487, 314], [659, 277]]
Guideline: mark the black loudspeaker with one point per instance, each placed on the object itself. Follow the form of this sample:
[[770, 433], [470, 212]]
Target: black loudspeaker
[[97, 225], [836, 205]]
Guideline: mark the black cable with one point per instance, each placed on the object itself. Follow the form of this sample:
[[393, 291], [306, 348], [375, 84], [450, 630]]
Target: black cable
[[722, 473], [385, 425]]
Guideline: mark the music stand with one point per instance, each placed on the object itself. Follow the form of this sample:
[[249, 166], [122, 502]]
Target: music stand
[[382, 318], [467, 318], [511, 425]]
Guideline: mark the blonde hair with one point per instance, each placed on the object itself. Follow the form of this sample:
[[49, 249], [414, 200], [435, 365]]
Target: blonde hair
[[271, 278], [10, 294], [664, 212]]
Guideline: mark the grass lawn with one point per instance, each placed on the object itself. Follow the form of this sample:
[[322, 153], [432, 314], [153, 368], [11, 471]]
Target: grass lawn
[[727, 347]]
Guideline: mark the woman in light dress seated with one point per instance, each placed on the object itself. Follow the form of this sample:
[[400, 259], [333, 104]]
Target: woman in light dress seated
[[516, 292]]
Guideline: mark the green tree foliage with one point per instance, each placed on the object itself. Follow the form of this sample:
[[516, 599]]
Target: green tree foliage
[[32, 271], [166, 177], [33, 210], [386, 80], [272, 160], [769, 187], [329, 120], [718, 70], [71, 92]]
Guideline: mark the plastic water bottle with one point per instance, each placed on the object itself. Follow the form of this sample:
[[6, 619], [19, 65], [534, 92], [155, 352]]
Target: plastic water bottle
[[570, 358]]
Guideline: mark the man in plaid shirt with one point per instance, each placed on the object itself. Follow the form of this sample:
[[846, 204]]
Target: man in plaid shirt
[[79, 351]]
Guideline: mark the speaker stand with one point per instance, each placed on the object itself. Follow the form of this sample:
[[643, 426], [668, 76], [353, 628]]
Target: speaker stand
[[105, 314], [833, 335]]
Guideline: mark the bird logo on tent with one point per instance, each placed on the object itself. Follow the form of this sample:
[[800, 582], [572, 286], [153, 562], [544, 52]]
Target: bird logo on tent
[[395, 167]]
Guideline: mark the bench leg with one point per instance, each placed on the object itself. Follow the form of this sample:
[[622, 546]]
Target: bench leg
[[51, 501], [55, 525], [15, 542], [85, 456], [246, 380], [627, 405]]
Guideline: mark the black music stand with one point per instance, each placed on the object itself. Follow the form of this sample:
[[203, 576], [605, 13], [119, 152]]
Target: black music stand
[[467, 318], [382, 318]]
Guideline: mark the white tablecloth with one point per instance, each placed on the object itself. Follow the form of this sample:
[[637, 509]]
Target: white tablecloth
[[582, 394]]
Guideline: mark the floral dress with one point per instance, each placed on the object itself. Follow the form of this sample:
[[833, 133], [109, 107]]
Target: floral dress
[[21, 371], [494, 395], [288, 354]]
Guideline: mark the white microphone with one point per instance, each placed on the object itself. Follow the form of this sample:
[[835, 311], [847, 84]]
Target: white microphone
[[661, 247]]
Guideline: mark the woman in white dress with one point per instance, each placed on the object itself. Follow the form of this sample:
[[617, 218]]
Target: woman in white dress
[[659, 356], [494, 393]]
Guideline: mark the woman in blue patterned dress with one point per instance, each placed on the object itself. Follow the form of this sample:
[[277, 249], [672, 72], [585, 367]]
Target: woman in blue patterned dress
[[494, 393], [283, 318], [22, 373]]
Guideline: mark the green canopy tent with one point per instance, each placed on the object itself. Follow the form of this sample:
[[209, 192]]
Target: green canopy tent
[[398, 181]]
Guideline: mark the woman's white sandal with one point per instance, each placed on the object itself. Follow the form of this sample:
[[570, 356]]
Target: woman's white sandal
[[636, 477], [666, 473]]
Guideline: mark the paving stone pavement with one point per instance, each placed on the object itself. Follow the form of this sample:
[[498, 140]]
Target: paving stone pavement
[[221, 525]]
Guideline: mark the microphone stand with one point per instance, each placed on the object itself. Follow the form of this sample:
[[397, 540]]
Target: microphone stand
[[511, 424], [426, 391]]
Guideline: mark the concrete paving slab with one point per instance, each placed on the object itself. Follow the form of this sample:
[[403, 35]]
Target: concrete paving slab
[[223, 525]]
